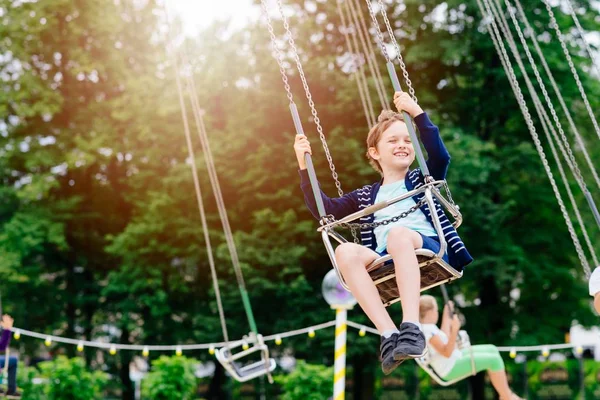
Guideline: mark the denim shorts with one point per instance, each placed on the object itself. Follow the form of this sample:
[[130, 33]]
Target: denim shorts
[[430, 243]]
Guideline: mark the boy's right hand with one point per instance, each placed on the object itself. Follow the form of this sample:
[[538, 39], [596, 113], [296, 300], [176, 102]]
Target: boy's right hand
[[301, 147]]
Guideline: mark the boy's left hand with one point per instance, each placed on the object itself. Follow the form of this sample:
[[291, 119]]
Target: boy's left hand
[[404, 102]]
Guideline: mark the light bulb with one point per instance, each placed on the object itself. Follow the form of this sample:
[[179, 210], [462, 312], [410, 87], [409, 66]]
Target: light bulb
[[113, 350], [178, 351], [278, 340], [145, 351], [311, 333], [48, 341], [362, 332], [80, 347]]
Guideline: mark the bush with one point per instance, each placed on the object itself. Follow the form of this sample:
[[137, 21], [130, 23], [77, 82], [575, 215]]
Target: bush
[[170, 378], [307, 382], [62, 379]]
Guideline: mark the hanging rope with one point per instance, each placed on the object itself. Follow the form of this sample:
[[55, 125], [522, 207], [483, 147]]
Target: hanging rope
[[563, 44], [499, 45], [359, 76], [216, 187], [194, 168], [582, 35], [532, 36], [358, 56], [367, 49]]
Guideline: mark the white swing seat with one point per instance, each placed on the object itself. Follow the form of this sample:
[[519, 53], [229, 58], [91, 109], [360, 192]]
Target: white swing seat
[[242, 372], [434, 272], [424, 363]]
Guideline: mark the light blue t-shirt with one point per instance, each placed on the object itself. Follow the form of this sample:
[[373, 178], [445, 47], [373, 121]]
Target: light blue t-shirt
[[417, 221]]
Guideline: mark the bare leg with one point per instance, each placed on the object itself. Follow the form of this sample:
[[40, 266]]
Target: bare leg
[[352, 260], [401, 244], [500, 383]]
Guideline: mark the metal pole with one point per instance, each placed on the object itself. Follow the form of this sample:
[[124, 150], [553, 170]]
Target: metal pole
[[312, 175], [409, 122], [339, 368]]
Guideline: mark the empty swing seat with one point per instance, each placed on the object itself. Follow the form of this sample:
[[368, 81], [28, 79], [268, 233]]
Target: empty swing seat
[[242, 372], [434, 272]]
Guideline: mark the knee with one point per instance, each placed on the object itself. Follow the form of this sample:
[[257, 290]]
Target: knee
[[400, 236], [349, 255]]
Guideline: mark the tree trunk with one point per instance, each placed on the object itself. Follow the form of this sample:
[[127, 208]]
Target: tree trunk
[[216, 389], [363, 378], [128, 388], [477, 386]]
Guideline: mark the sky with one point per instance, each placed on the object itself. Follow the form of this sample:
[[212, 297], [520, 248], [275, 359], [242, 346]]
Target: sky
[[198, 14]]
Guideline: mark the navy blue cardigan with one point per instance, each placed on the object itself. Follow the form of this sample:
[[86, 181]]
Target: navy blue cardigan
[[438, 161]]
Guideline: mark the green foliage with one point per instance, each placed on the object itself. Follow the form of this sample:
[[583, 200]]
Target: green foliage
[[98, 221], [307, 382], [170, 378], [62, 379]]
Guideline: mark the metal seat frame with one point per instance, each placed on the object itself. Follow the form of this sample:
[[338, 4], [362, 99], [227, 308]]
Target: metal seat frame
[[424, 363], [243, 373], [434, 270]]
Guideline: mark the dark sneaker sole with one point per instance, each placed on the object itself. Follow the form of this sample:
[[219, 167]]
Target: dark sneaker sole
[[398, 356], [388, 366]]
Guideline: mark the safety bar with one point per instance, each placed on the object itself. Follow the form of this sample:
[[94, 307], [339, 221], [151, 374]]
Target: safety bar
[[379, 206], [327, 231]]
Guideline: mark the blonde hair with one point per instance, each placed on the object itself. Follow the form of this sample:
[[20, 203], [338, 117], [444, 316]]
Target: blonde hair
[[426, 304], [385, 119]]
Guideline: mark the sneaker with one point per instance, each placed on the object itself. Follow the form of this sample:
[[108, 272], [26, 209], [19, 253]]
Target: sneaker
[[13, 395], [388, 345], [411, 343]]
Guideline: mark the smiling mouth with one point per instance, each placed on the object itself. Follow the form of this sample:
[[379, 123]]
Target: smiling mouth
[[401, 154]]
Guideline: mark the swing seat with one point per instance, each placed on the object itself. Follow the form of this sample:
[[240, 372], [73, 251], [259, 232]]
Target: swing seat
[[434, 272], [425, 363], [242, 372]]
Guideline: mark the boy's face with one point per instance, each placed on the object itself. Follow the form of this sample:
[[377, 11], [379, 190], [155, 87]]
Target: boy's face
[[394, 150]]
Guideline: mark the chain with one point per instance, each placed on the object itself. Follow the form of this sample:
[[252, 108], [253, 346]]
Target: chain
[[378, 30], [367, 225], [390, 30], [497, 39], [579, 139], [576, 171], [311, 103], [448, 193], [279, 56], [572, 67], [582, 35]]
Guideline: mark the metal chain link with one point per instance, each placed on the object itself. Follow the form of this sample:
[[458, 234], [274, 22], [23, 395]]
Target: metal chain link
[[582, 34], [390, 30], [532, 36], [498, 43], [563, 44], [279, 56], [378, 30], [366, 225], [576, 171], [311, 103], [544, 118]]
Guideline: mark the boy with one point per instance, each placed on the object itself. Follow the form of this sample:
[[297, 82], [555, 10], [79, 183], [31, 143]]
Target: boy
[[390, 152]]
